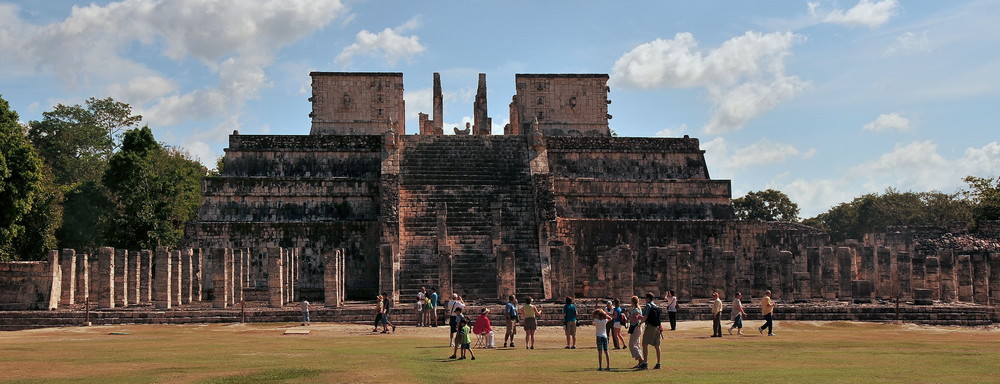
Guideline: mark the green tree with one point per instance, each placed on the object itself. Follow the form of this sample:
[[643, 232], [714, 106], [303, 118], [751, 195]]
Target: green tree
[[20, 180], [154, 192], [42, 221], [767, 205], [984, 195], [871, 213], [85, 209]]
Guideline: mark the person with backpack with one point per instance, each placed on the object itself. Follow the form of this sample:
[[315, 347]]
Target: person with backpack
[[653, 333], [618, 323], [635, 332], [672, 309], [510, 312]]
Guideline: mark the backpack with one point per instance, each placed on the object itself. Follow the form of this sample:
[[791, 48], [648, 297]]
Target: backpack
[[653, 316]]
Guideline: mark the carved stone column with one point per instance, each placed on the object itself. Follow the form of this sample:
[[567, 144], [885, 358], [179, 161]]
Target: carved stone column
[[444, 272], [829, 267], [980, 279], [162, 279], [121, 277], [903, 275], [932, 267], [275, 285], [886, 276], [506, 272], [178, 276], [68, 263], [845, 268], [949, 293], [220, 271], [964, 273], [146, 275], [332, 277], [106, 277]]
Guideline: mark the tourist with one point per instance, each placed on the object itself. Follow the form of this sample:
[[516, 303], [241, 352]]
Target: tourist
[[455, 306], [531, 313], [767, 309], [510, 312], [386, 311], [716, 315], [569, 323], [609, 308], [420, 306], [428, 312], [466, 339], [672, 310], [379, 310], [483, 327], [635, 332], [653, 331], [601, 329], [737, 315], [619, 321], [305, 312], [434, 305], [462, 332]]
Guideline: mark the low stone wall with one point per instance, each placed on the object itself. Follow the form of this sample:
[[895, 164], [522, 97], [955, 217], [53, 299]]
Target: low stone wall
[[26, 285]]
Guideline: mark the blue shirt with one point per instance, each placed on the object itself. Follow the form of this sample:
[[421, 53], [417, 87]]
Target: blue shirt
[[511, 309], [570, 311], [434, 299], [616, 314]]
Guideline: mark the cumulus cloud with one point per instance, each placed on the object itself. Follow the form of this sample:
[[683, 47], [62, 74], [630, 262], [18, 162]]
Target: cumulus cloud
[[763, 152], [866, 13], [389, 45], [909, 42], [889, 122], [234, 40], [744, 77]]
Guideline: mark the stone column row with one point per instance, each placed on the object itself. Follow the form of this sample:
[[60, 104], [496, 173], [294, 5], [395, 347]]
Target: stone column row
[[333, 277]]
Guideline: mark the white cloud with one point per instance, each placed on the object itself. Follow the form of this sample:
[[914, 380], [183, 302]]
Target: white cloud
[[866, 13], [909, 42], [745, 77], [889, 122], [763, 152], [142, 89], [388, 45]]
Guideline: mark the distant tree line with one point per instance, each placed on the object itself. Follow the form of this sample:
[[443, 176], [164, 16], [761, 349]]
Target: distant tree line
[[874, 212], [86, 176]]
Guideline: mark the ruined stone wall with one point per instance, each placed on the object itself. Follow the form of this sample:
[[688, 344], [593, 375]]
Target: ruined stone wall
[[26, 285], [563, 104], [357, 103]]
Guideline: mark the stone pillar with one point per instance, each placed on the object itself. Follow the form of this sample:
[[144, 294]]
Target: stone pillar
[[829, 267], [133, 278], [121, 277], [106, 277], [684, 256], [995, 279], [980, 279], [217, 258], [82, 277], [785, 276], [886, 274], [563, 272], [197, 275], [506, 272], [668, 260], [729, 258], [803, 285], [862, 291], [162, 279], [922, 296], [55, 274], [230, 276], [444, 272], [903, 275], [815, 273], [332, 276], [964, 274], [178, 277], [948, 290], [68, 264], [866, 271], [932, 267], [239, 268], [845, 269], [274, 277], [389, 271], [187, 269], [919, 270], [622, 273]]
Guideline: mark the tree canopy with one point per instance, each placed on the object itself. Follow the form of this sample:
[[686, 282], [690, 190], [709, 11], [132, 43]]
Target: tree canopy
[[767, 205], [872, 212], [20, 180]]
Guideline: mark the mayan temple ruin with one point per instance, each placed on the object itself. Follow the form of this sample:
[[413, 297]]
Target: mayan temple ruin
[[553, 206]]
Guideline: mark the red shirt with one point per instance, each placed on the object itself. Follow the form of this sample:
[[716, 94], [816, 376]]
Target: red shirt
[[482, 325]]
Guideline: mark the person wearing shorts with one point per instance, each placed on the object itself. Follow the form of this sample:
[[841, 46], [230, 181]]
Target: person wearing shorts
[[531, 314], [510, 312], [651, 333], [569, 323], [600, 328]]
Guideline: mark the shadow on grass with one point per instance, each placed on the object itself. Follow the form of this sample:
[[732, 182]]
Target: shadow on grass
[[268, 376]]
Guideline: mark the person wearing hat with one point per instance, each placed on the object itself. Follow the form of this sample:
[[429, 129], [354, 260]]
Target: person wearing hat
[[455, 306], [483, 327]]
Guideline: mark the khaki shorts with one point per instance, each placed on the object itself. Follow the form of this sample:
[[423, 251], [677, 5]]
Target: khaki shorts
[[511, 326], [570, 328], [651, 336]]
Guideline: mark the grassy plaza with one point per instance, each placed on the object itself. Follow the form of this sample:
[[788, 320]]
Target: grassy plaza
[[814, 352]]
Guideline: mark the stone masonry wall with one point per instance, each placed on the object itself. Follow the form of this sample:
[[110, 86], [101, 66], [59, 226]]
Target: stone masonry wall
[[563, 105], [357, 103]]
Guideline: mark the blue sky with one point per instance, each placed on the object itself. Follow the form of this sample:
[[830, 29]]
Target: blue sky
[[823, 100]]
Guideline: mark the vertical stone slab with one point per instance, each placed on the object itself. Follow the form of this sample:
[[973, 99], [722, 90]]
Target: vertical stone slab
[[197, 275], [83, 280], [389, 270], [331, 278], [963, 270], [186, 269], [884, 280], [121, 277], [147, 274], [230, 276], [862, 291], [239, 268], [803, 287], [68, 264], [668, 258], [623, 274], [932, 268], [729, 258], [342, 259], [133, 278], [815, 273], [866, 271], [177, 289], [287, 275], [275, 285], [563, 270], [506, 271], [787, 278], [949, 293], [444, 271], [995, 279], [903, 266], [162, 279], [845, 268], [55, 273], [217, 258], [684, 259], [980, 279], [106, 277], [829, 267], [919, 270]]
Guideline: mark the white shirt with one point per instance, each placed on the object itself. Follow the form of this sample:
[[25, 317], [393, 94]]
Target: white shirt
[[601, 327], [420, 297], [452, 305]]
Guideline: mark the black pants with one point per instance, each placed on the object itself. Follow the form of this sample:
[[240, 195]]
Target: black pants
[[609, 329], [767, 324], [717, 324], [673, 320]]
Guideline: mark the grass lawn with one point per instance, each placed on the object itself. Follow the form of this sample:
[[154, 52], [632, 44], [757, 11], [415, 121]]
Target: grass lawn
[[813, 352]]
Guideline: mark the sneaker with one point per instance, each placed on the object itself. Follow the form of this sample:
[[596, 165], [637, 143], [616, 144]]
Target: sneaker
[[566, 347], [394, 328], [511, 345], [761, 330], [572, 347], [657, 366], [770, 334], [462, 358], [451, 357], [451, 344], [533, 347], [473, 357], [643, 366], [730, 331], [505, 345], [739, 333]]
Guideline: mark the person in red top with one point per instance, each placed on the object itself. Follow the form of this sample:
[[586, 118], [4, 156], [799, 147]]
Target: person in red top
[[482, 326]]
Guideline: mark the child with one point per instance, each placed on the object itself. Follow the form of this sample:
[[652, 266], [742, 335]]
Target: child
[[601, 327], [463, 338], [305, 312], [458, 319]]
